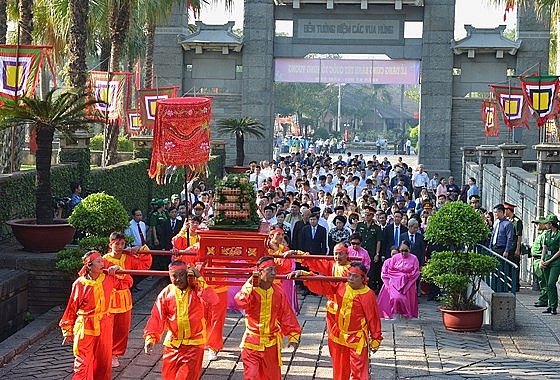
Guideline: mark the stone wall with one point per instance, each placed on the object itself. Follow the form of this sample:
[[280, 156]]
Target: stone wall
[[13, 301]]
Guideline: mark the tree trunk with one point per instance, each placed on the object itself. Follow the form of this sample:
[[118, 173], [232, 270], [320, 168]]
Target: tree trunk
[[111, 144], [149, 31], [43, 191], [25, 23], [3, 21], [239, 145], [119, 21], [105, 54], [77, 42]]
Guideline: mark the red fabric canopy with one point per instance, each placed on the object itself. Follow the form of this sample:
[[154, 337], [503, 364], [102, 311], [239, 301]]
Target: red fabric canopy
[[181, 135]]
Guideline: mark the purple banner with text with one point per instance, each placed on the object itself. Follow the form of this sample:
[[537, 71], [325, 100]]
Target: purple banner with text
[[362, 71]]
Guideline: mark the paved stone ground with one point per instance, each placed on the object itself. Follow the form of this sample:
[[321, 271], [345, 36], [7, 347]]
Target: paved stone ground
[[419, 348]]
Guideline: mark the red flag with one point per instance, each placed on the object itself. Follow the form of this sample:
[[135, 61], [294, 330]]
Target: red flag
[[509, 7], [541, 95], [512, 104], [147, 100], [113, 88], [490, 118]]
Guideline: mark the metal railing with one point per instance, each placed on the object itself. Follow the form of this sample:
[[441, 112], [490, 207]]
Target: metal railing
[[506, 276]]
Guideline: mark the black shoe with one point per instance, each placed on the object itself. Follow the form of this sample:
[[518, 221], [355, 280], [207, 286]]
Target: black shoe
[[548, 311], [540, 304], [554, 312]]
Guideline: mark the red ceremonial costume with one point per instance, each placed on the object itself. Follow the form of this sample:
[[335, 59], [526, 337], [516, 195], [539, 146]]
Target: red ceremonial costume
[[182, 314], [285, 266], [216, 314], [88, 320], [327, 268], [357, 327], [268, 317], [121, 299]]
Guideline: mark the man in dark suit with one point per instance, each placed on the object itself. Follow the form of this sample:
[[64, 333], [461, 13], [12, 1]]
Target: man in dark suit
[[314, 237], [170, 228], [417, 245], [392, 233]]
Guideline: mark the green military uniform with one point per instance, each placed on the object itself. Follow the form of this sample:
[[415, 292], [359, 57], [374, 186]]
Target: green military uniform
[[536, 251], [552, 271], [156, 220], [370, 236]]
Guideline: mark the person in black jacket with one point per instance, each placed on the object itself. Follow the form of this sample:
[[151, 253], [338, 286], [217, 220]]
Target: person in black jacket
[[314, 237]]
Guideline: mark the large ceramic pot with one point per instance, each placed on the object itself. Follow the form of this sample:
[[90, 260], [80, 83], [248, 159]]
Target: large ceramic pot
[[42, 237], [462, 320]]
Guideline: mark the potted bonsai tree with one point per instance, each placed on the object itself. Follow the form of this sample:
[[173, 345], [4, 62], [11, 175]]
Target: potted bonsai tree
[[458, 271], [63, 111], [240, 128]]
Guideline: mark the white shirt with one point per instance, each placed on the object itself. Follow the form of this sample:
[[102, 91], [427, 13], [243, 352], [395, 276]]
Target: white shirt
[[420, 179], [132, 230]]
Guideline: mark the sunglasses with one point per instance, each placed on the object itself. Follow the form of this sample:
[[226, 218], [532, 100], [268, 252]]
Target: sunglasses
[[198, 208], [405, 250], [355, 243]]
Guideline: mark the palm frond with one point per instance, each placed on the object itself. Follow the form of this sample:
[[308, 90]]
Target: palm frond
[[244, 126]]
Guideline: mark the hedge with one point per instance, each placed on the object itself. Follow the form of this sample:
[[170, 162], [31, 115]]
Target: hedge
[[127, 181]]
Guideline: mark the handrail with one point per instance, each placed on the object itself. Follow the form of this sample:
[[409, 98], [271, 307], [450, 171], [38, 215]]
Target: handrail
[[506, 276]]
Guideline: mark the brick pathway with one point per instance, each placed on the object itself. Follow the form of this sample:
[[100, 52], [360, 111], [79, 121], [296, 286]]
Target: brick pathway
[[420, 349]]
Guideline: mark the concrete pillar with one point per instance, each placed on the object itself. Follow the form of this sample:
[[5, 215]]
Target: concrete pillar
[[486, 155], [469, 154], [548, 161], [258, 75], [436, 91], [510, 155], [142, 146]]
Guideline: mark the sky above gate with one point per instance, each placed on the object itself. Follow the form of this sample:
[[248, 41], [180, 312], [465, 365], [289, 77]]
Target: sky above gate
[[478, 13]]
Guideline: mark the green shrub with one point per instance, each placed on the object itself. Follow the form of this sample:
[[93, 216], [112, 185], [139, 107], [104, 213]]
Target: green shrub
[[124, 144], [99, 215], [96, 142]]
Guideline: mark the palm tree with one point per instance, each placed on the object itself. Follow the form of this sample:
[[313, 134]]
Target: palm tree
[[63, 112], [241, 127]]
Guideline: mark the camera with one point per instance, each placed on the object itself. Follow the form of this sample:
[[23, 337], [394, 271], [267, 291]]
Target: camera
[[61, 203]]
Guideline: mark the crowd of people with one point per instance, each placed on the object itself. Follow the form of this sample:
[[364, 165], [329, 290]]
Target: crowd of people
[[369, 215]]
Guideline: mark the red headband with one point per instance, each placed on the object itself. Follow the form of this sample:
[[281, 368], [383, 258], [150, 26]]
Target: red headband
[[87, 261], [179, 267], [265, 264], [357, 270], [115, 240], [340, 248]]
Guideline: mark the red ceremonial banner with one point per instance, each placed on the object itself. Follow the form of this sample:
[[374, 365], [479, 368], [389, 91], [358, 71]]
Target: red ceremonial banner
[[512, 104], [541, 94], [181, 136], [147, 102], [113, 88], [133, 122], [19, 68], [490, 118]]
